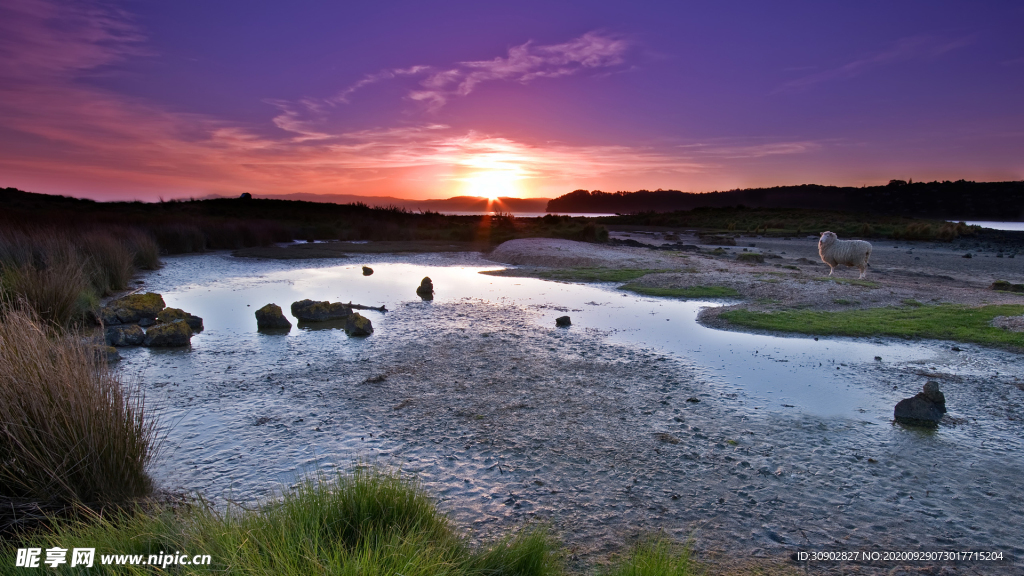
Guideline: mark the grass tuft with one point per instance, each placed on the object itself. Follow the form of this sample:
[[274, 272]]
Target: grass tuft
[[688, 292], [70, 430], [366, 522], [656, 557]]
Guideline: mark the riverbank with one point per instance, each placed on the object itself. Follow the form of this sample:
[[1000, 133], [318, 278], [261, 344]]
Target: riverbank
[[790, 275]]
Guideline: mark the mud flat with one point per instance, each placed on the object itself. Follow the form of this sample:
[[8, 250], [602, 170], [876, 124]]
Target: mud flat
[[508, 419]]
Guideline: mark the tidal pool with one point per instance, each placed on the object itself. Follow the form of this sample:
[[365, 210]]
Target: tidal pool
[[635, 418]]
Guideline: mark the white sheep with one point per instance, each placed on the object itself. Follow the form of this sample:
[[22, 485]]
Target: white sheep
[[833, 251]]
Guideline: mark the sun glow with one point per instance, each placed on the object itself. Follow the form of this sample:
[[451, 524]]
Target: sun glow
[[493, 184]]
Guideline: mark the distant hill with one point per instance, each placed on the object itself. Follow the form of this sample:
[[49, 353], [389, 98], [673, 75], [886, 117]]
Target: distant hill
[[960, 200], [455, 204]]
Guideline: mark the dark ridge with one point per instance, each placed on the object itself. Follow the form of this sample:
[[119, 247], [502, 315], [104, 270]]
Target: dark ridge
[[960, 200]]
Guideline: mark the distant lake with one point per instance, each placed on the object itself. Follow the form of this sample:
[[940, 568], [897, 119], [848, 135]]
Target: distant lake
[[998, 225]]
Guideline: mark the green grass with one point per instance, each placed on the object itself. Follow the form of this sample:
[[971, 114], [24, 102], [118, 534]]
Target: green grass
[[579, 274], [940, 322], [688, 292], [367, 522], [656, 557], [849, 281]]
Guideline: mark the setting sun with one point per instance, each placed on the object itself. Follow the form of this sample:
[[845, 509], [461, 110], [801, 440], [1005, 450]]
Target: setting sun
[[492, 184]]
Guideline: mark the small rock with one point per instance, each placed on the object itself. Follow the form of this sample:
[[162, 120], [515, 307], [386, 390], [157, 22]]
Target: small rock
[[563, 322], [1004, 286], [358, 325], [311, 311], [172, 334], [426, 289], [693, 399], [751, 258], [124, 335], [171, 314], [968, 255], [107, 354], [271, 317], [924, 409], [367, 271]]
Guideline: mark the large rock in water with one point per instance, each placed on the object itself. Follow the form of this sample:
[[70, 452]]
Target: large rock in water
[[129, 335], [271, 317], [358, 325], [310, 311], [925, 409], [133, 309], [172, 334], [171, 314], [563, 321]]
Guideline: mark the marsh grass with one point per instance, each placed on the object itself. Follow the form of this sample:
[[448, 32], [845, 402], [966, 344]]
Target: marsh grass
[[62, 274], [938, 322], [687, 292], [367, 522], [657, 556], [71, 432], [596, 274]]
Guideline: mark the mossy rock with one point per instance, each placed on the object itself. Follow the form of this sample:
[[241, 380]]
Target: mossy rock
[[751, 257], [1004, 286], [312, 311], [133, 308], [130, 335], [173, 334], [171, 314], [271, 317], [358, 325]]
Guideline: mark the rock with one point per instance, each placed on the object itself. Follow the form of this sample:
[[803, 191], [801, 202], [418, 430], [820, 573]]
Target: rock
[[367, 271], [124, 335], [171, 334], [751, 258], [426, 289], [358, 325], [563, 321], [171, 314], [132, 309], [271, 317], [106, 354], [310, 311], [924, 409]]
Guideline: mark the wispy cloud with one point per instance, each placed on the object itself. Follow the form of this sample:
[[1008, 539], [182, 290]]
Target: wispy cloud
[[523, 64], [904, 50]]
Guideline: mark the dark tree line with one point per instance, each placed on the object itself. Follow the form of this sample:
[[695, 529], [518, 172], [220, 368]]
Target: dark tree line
[[961, 200]]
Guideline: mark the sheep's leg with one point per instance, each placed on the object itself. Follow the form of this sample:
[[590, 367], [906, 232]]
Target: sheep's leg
[[831, 269]]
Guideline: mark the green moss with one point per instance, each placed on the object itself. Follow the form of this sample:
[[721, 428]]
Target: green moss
[[751, 258], [688, 292], [940, 322], [598, 274]]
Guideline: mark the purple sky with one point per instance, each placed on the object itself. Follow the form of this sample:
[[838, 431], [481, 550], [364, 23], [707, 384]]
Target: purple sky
[[142, 99]]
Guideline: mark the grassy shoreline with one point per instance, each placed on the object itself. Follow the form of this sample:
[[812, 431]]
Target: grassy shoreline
[[912, 321]]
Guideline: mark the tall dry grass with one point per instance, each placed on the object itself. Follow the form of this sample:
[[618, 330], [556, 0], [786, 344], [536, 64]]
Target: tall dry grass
[[64, 273], [71, 431]]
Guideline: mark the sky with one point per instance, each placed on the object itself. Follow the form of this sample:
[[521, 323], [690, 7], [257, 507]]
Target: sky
[[421, 99]]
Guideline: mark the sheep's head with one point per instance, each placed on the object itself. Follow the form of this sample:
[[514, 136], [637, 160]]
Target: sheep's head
[[827, 238]]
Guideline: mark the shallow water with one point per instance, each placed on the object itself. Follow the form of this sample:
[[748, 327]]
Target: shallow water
[[505, 417]]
